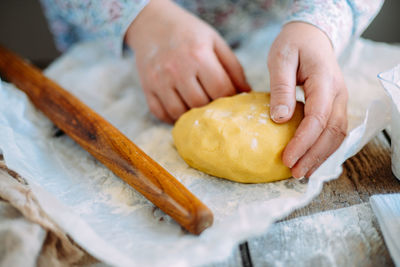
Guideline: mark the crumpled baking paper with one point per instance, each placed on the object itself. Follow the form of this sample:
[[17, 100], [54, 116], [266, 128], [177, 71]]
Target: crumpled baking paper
[[117, 225], [391, 82]]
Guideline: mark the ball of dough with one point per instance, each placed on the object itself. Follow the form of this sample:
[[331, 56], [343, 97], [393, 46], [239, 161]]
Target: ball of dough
[[234, 138]]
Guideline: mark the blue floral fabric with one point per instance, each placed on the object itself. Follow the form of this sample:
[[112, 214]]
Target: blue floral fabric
[[71, 21], [74, 20], [341, 20]]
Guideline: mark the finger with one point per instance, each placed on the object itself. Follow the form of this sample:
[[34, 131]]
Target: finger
[[192, 93], [172, 103], [157, 108], [231, 65], [317, 110], [214, 79], [327, 143], [282, 66]]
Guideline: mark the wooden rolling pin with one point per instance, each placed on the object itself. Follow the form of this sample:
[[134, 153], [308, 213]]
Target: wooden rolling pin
[[107, 144]]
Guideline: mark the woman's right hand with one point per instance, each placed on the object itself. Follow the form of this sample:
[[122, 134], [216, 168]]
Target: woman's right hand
[[182, 62]]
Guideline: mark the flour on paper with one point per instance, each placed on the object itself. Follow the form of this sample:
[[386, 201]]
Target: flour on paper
[[116, 224]]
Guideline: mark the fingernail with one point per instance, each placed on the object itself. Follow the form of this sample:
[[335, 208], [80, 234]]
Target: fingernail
[[303, 171], [300, 174], [279, 112], [246, 88], [291, 161]]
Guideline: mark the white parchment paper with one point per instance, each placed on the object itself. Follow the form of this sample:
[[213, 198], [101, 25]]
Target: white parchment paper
[[387, 209], [391, 82], [115, 223]]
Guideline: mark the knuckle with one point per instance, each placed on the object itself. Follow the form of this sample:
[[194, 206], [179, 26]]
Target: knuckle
[[198, 52], [316, 159], [217, 93], [321, 119], [197, 101], [280, 54], [170, 68], [218, 89], [226, 89], [175, 111], [336, 130], [281, 90], [152, 75]]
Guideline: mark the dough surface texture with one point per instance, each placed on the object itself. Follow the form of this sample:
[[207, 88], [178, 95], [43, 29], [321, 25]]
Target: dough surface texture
[[234, 138]]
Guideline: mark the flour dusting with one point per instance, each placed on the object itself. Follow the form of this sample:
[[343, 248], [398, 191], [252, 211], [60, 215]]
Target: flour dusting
[[102, 207]]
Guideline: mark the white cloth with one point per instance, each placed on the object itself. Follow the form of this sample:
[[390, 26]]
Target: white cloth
[[28, 237]]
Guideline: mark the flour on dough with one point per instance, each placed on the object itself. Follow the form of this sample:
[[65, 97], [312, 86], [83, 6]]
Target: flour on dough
[[234, 138]]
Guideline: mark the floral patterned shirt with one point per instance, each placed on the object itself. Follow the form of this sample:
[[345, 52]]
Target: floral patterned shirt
[[74, 20]]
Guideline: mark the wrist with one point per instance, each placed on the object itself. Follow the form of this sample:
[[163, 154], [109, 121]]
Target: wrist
[[141, 25], [308, 31], [333, 18]]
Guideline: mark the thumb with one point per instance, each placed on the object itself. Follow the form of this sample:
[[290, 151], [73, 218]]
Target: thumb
[[231, 65], [282, 66]]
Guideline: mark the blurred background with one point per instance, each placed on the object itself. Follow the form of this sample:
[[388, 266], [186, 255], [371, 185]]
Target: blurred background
[[23, 28]]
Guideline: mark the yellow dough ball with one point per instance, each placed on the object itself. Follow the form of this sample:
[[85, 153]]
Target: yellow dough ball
[[234, 138]]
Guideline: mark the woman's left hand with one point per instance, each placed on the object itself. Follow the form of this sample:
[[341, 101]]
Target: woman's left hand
[[303, 55]]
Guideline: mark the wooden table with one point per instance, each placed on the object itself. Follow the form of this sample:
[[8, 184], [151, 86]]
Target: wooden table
[[337, 228]]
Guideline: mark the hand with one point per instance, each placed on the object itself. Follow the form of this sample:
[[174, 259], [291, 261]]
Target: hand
[[303, 55], [182, 62]]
